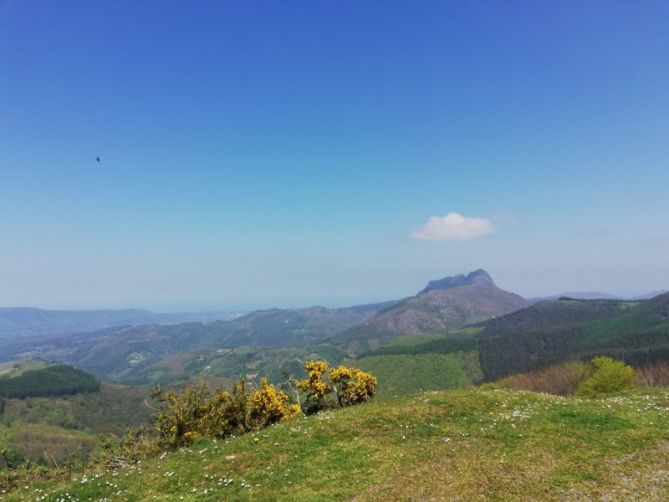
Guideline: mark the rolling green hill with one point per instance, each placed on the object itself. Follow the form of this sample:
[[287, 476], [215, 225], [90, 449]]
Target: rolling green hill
[[414, 363], [409, 373], [555, 331], [468, 445], [32, 380]]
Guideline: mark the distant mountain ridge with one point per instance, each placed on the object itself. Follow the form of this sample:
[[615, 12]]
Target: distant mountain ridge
[[31, 321], [597, 295], [119, 351], [577, 295], [443, 304]]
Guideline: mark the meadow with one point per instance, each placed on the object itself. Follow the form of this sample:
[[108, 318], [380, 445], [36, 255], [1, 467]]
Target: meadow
[[444, 445]]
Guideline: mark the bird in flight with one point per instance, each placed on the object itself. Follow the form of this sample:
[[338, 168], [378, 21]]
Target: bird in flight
[[97, 159]]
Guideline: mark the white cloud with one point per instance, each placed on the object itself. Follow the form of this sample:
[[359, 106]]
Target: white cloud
[[453, 227]]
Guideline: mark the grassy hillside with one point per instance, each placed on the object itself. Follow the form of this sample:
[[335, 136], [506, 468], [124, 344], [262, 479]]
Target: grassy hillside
[[409, 373], [466, 444], [457, 340], [555, 331], [415, 363]]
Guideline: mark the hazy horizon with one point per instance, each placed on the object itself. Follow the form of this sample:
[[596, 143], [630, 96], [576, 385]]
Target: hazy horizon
[[297, 153], [287, 303]]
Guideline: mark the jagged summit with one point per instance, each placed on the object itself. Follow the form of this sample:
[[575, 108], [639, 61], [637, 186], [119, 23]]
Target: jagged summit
[[446, 303], [454, 281]]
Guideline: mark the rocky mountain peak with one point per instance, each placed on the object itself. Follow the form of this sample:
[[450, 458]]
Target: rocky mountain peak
[[454, 281]]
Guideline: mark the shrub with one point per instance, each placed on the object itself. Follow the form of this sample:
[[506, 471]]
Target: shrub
[[10, 458], [135, 444], [350, 385], [653, 374], [182, 415], [267, 406], [197, 412], [561, 379], [315, 387], [227, 414], [609, 376]]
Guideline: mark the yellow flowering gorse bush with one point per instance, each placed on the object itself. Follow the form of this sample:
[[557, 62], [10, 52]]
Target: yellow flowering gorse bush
[[350, 385], [314, 385], [268, 405], [198, 412], [353, 386]]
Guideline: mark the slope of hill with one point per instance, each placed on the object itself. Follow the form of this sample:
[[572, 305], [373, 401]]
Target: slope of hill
[[29, 321], [447, 303], [33, 380], [410, 373], [469, 444], [122, 352], [63, 422], [229, 365], [555, 331], [110, 411], [415, 363]]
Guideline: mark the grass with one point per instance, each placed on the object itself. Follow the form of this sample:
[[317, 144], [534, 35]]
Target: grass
[[409, 341], [427, 344], [410, 373], [465, 444]]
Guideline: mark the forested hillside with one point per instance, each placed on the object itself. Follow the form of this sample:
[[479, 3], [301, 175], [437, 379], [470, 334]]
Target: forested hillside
[[554, 331], [50, 380]]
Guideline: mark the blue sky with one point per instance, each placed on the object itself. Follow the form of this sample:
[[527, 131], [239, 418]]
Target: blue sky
[[291, 153]]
